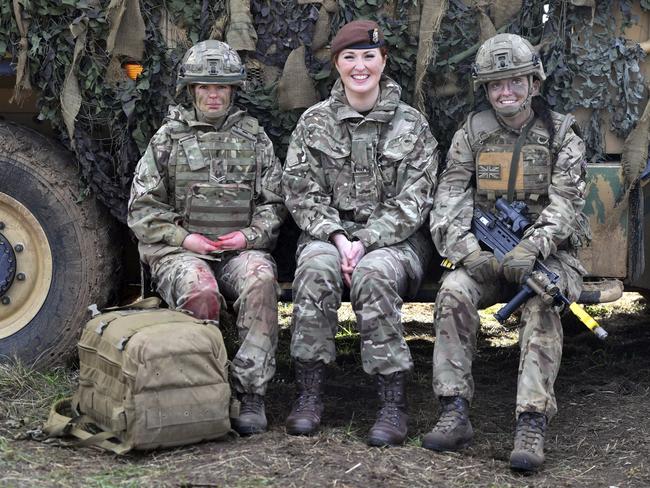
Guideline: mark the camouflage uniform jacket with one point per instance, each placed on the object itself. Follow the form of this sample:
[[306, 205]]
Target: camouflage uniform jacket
[[370, 177], [558, 209], [151, 213]]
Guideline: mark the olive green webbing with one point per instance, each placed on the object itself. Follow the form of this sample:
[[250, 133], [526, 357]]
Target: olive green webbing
[[236, 156]]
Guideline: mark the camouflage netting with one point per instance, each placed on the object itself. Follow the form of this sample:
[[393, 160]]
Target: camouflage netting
[[73, 51]]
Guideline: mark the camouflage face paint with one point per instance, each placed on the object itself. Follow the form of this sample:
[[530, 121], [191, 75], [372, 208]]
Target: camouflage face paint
[[510, 96], [212, 100]]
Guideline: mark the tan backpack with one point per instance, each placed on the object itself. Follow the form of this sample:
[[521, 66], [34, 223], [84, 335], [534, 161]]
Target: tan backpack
[[148, 378]]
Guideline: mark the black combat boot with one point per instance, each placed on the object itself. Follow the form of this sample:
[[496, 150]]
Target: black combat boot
[[528, 454], [305, 415], [252, 417], [390, 427], [453, 431]]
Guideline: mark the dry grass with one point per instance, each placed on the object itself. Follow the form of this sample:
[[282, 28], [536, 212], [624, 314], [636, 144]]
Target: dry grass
[[26, 392]]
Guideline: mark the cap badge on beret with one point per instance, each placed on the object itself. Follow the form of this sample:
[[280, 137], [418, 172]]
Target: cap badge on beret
[[358, 34]]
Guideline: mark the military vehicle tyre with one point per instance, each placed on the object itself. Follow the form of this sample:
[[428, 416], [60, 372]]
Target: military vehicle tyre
[[56, 254]]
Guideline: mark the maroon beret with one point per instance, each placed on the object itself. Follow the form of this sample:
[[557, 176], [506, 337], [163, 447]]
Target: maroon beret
[[358, 34]]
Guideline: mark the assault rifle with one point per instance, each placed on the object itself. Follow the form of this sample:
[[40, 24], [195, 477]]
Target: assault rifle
[[502, 232]]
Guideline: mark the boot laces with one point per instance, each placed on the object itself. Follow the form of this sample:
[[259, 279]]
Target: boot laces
[[310, 381], [452, 415], [307, 402], [530, 430], [251, 404], [389, 413], [390, 395]]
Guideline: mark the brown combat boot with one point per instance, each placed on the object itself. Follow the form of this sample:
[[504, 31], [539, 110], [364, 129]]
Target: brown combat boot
[[453, 431], [528, 454], [390, 427], [305, 415], [252, 416]]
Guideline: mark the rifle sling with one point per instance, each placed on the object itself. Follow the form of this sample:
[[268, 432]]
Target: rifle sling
[[514, 163]]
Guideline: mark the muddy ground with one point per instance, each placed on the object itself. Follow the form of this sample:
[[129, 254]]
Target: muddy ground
[[600, 437]]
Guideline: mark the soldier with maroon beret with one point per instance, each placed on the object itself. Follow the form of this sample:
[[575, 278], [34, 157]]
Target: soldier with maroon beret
[[358, 180]]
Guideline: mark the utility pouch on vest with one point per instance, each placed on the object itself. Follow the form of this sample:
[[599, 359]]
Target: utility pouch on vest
[[193, 153], [214, 209], [493, 169], [148, 378]]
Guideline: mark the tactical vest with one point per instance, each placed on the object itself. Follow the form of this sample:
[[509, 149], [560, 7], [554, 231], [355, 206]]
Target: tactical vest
[[214, 178], [492, 146]]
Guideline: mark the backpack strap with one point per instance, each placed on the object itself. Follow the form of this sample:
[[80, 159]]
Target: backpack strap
[[61, 425], [148, 303]]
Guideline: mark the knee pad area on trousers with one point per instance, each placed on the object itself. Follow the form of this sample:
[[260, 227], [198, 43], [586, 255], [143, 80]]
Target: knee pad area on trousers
[[264, 274], [370, 280], [320, 264], [202, 302]]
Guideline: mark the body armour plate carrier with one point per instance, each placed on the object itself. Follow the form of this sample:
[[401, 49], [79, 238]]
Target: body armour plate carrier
[[215, 178], [493, 146]]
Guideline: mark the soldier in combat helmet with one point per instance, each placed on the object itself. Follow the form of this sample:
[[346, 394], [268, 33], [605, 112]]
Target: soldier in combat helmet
[[206, 208], [524, 151], [358, 181]]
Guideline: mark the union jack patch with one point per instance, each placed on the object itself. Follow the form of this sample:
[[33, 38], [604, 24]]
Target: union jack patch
[[489, 172]]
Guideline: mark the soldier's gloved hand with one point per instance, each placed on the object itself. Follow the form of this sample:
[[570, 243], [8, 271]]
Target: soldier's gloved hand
[[481, 265], [519, 262]]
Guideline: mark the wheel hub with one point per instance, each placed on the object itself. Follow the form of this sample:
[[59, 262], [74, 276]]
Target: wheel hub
[[7, 264], [25, 266]]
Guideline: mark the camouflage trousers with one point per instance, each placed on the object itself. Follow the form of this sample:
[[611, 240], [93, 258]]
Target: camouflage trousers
[[379, 281], [540, 337], [249, 278]]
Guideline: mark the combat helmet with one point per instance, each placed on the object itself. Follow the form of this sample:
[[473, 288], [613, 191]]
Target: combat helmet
[[210, 62], [506, 56]]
